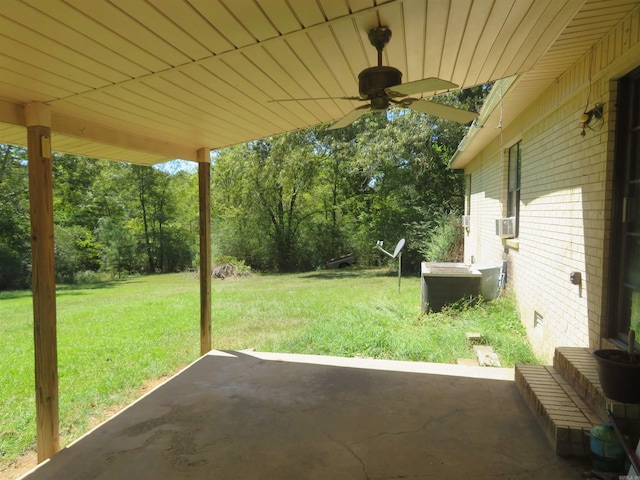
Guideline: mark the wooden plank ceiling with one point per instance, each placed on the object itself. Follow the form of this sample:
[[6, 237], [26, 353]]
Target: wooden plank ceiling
[[146, 81]]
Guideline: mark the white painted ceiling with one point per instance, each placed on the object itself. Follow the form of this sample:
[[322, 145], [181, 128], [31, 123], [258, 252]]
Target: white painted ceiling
[[146, 81]]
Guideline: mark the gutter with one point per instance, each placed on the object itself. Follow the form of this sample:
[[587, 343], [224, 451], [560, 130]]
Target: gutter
[[493, 100]]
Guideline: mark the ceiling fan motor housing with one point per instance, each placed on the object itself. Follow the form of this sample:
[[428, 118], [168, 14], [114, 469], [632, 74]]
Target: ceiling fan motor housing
[[373, 80]]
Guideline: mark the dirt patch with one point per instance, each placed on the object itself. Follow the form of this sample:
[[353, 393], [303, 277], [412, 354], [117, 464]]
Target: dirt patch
[[19, 466], [22, 464]]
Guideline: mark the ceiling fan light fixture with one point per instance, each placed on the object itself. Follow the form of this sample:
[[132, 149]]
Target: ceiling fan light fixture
[[379, 103]]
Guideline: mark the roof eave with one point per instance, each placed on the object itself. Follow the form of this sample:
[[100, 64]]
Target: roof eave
[[472, 143]]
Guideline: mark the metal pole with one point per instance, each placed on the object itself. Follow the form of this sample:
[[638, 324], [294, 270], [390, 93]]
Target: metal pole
[[399, 270]]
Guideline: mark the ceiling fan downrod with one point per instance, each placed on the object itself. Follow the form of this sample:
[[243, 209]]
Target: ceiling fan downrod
[[373, 81]]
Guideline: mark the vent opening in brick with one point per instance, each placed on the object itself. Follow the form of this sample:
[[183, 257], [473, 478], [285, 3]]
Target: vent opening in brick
[[538, 321]]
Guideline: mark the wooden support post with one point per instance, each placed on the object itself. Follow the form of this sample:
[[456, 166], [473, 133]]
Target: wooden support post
[[38, 117], [204, 188]]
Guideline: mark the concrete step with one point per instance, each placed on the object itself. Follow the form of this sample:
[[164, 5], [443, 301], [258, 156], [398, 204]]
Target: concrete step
[[563, 415]]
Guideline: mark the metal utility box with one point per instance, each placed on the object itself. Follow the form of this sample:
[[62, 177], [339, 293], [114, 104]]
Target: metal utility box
[[444, 283]]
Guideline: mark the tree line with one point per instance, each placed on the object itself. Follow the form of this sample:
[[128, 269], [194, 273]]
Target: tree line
[[109, 217], [285, 203]]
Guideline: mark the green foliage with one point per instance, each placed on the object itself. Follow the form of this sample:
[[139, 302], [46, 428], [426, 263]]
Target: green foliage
[[75, 251], [442, 239], [14, 271], [15, 243], [498, 321], [240, 267], [293, 201], [108, 216], [156, 222], [112, 337], [285, 203], [119, 248], [90, 277], [263, 194], [76, 201]]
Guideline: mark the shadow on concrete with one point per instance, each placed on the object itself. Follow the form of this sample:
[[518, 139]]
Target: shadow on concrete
[[248, 415]]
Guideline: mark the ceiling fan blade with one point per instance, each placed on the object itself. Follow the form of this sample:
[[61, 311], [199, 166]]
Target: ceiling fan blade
[[351, 117], [439, 110], [315, 98], [431, 84]]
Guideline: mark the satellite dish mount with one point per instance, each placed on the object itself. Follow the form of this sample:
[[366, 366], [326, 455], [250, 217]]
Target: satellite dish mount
[[397, 252]]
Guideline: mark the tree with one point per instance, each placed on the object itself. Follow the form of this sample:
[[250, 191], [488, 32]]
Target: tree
[[75, 251], [283, 203], [118, 247], [181, 231], [107, 215], [263, 196], [293, 200], [413, 183], [157, 205], [77, 209], [15, 246], [341, 183], [75, 194]]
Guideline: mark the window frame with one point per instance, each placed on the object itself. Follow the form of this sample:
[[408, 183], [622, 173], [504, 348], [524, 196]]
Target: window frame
[[622, 294], [514, 183]]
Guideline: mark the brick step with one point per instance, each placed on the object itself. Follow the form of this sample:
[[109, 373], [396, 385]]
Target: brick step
[[578, 367], [563, 415]]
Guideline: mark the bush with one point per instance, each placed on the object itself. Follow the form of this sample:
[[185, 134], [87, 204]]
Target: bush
[[14, 272], [444, 243], [88, 277], [177, 253]]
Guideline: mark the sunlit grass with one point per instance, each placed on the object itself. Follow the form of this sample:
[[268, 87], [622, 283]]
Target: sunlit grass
[[114, 337]]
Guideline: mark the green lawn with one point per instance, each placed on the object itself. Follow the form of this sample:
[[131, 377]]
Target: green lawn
[[114, 337]]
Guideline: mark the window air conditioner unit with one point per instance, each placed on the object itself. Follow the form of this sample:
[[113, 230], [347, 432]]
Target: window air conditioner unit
[[506, 227], [466, 221]]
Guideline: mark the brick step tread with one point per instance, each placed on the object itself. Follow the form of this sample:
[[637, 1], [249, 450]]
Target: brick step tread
[[564, 416], [549, 383], [578, 367]]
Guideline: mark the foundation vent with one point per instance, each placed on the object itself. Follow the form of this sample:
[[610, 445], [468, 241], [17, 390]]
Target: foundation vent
[[538, 321]]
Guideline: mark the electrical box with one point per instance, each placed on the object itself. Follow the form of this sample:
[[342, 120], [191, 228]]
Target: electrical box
[[466, 221]]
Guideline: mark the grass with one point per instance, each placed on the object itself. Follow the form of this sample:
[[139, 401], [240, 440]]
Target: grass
[[114, 337]]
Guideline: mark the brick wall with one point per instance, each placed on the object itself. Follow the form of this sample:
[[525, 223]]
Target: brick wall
[[565, 199]]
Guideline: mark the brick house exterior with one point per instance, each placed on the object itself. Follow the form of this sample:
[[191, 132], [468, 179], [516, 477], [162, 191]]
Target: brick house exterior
[[562, 261]]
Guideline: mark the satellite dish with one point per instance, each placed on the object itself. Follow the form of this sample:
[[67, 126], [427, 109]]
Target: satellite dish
[[398, 248]]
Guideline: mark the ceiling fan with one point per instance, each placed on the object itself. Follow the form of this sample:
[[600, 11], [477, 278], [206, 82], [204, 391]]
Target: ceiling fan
[[382, 86]]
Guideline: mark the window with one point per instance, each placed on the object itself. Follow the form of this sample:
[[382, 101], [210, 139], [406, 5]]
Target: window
[[625, 233], [467, 189], [513, 185]]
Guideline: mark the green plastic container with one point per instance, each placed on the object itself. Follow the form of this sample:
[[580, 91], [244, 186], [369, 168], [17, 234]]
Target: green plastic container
[[607, 453]]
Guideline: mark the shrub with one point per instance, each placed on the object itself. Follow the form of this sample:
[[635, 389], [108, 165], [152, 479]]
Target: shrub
[[444, 242], [87, 277]]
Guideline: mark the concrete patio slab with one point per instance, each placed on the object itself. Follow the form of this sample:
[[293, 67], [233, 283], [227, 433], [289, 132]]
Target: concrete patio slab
[[249, 415]]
